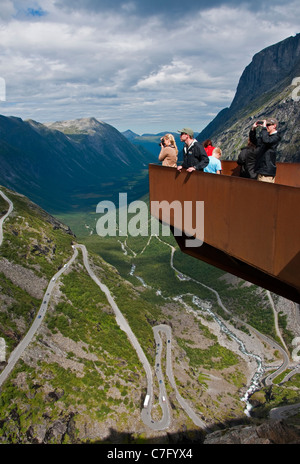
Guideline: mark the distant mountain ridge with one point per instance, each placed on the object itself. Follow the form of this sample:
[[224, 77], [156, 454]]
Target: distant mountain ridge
[[264, 90], [150, 142], [72, 165], [66, 165]]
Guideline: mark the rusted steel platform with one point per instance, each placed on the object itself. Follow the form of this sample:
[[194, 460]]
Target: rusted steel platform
[[251, 228]]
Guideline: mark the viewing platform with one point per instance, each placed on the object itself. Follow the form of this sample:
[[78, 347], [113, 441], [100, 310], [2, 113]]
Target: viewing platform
[[251, 228]]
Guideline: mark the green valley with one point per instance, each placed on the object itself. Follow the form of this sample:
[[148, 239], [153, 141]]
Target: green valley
[[80, 378]]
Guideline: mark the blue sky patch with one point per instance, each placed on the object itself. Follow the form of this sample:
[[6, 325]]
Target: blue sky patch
[[36, 12]]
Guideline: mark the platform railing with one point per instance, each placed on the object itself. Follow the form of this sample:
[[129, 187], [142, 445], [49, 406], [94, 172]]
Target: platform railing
[[287, 173], [251, 228]]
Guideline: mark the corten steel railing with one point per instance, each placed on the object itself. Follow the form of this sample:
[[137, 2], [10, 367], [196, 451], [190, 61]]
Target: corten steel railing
[[287, 173], [251, 228]]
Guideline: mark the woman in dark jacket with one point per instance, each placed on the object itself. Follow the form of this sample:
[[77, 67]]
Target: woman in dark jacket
[[247, 160]]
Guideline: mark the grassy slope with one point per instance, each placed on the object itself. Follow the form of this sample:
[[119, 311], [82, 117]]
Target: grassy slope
[[81, 369]]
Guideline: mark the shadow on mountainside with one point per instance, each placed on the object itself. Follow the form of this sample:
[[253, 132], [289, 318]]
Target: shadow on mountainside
[[233, 432]]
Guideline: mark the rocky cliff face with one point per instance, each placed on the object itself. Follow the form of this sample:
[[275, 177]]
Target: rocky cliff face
[[266, 88], [268, 433], [268, 72], [281, 106]]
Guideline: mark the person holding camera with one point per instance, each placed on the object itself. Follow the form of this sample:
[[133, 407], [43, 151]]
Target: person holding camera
[[169, 151], [265, 165], [194, 155]]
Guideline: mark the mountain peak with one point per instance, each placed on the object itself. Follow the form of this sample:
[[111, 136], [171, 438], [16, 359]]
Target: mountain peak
[[82, 125], [268, 69], [65, 165], [264, 90]]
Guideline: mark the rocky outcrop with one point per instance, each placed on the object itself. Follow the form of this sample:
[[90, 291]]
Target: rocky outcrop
[[268, 71], [24, 278], [271, 432], [59, 431], [287, 111], [265, 90]]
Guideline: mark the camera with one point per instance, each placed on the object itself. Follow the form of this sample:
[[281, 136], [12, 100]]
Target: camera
[[162, 142], [260, 123]]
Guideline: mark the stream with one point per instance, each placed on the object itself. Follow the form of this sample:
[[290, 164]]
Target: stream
[[205, 306], [260, 370]]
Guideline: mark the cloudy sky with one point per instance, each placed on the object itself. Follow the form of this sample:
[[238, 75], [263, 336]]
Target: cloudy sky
[[144, 65]]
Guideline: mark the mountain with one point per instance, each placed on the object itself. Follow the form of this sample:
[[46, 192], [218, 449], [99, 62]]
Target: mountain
[[265, 89], [150, 142], [130, 135], [69, 165], [80, 379]]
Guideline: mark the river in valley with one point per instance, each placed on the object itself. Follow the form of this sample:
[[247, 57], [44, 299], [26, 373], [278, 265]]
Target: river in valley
[[206, 306]]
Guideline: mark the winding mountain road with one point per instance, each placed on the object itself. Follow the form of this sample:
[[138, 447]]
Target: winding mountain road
[[21, 347], [164, 422], [167, 331], [123, 324]]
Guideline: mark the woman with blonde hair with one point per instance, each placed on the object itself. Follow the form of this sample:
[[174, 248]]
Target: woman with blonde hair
[[169, 151]]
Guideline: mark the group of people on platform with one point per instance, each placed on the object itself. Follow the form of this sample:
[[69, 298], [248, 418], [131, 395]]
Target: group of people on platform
[[257, 160], [195, 156]]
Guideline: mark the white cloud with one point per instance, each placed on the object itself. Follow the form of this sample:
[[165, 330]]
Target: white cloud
[[7, 9], [146, 74], [176, 73]]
